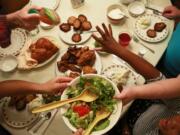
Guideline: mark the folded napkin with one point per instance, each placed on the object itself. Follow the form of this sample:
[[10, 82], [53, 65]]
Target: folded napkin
[[44, 126]]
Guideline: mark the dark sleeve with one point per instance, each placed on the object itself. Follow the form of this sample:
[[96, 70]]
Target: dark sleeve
[[4, 32]]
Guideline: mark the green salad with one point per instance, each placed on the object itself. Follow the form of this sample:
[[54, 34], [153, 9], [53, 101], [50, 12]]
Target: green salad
[[81, 114]]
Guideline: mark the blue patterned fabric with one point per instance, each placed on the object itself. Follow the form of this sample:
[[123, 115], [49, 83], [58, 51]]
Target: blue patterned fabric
[[172, 56]]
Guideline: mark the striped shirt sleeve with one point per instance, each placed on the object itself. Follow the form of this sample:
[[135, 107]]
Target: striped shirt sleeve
[[4, 32]]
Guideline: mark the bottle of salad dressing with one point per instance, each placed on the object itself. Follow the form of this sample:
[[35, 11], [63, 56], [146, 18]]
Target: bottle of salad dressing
[[77, 3]]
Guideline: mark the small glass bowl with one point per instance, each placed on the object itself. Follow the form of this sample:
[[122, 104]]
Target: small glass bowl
[[8, 63], [115, 14]]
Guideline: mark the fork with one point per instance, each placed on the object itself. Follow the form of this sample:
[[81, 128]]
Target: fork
[[137, 41]]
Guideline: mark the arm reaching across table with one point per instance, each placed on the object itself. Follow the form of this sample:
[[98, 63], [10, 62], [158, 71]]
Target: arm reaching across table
[[110, 45], [15, 87]]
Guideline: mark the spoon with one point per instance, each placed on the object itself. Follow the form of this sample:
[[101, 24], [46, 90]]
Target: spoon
[[47, 116], [137, 41], [100, 115], [34, 123], [86, 96]]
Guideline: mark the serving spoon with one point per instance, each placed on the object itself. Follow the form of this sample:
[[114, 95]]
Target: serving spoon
[[100, 115], [86, 96]]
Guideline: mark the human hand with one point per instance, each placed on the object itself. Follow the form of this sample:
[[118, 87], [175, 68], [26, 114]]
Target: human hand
[[107, 41], [171, 12], [78, 132], [23, 19], [126, 95], [56, 85]]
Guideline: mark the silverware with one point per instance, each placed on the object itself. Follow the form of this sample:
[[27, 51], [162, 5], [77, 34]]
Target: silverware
[[155, 11], [137, 41], [35, 122], [47, 116]]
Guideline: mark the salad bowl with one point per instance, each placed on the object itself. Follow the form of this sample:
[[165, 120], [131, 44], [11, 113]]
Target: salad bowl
[[81, 115]]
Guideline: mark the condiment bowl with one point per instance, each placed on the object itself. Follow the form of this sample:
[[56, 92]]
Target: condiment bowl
[[136, 8], [8, 63], [115, 14]]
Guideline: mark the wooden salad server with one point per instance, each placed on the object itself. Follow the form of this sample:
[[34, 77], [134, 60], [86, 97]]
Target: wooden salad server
[[100, 115], [86, 96]]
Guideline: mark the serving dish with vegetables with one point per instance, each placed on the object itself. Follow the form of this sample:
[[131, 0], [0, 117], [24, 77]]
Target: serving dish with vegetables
[[81, 114]]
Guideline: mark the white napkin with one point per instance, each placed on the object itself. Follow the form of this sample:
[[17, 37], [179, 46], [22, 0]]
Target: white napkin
[[44, 126]]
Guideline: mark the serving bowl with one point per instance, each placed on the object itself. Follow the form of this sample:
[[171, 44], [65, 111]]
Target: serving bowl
[[8, 63], [136, 8], [114, 117], [115, 14]]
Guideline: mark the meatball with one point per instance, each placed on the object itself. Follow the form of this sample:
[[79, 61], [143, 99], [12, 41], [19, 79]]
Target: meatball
[[151, 33], [159, 27], [65, 27], [86, 26], [71, 20], [77, 24], [76, 37], [82, 18]]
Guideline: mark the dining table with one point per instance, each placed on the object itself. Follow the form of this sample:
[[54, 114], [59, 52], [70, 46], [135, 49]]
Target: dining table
[[96, 12]]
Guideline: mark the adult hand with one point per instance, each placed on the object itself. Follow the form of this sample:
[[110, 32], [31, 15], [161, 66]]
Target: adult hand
[[23, 19], [107, 41], [126, 95], [171, 12], [78, 132], [56, 85]]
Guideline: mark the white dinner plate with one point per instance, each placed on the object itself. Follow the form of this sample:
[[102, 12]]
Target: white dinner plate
[[114, 117], [24, 57], [18, 40], [141, 33], [66, 37], [17, 119], [116, 69], [51, 4], [97, 65]]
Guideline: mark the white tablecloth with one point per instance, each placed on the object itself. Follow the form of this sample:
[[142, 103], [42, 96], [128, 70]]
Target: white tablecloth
[[95, 10]]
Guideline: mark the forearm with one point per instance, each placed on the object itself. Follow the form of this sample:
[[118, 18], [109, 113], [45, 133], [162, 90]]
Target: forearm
[[165, 89], [140, 65], [15, 87], [4, 32], [12, 20]]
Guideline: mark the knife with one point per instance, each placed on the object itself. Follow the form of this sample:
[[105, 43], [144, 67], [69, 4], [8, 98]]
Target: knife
[[155, 10]]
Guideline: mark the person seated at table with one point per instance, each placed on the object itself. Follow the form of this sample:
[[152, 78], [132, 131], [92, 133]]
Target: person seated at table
[[20, 19], [10, 6], [170, 62], [169, 92], [168, 89], [110, 45]]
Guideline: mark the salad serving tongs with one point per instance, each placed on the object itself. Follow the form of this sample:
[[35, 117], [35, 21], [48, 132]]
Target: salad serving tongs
[[86, 96], [100, 115]]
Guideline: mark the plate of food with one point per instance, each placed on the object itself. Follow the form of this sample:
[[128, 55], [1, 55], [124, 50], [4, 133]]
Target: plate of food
[[18, 40], [51, 4], [151, 28], [81, 114], [120, 74], [38, 53], [16, 113], [76, 30], [78, 60]]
